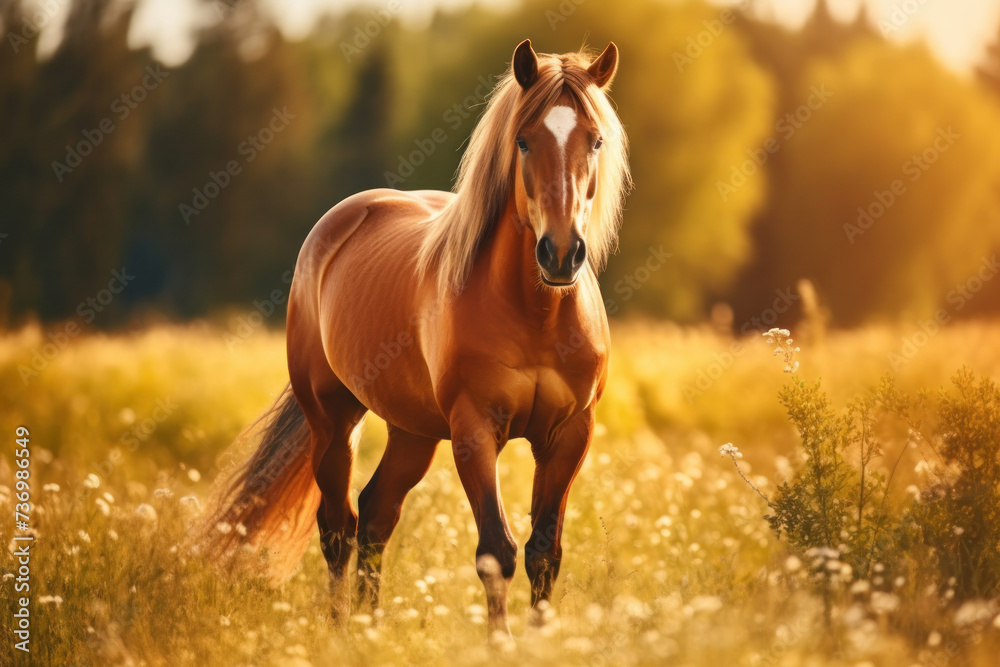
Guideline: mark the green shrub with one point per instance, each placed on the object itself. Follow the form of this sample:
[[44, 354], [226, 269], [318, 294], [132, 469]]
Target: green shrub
[[957, 513], [856, 531]]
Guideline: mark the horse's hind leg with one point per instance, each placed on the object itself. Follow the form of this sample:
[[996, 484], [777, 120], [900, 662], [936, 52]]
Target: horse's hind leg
[[406, 460], [332, 414]]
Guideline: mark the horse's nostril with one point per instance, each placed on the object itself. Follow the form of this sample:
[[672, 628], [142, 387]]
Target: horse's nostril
[[580, 256], [546, 252]]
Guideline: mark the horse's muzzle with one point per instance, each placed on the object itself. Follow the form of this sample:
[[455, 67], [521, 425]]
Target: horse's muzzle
[[562, 272]]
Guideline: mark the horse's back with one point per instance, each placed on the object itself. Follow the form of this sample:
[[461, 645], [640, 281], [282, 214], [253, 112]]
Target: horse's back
[[372, 207]]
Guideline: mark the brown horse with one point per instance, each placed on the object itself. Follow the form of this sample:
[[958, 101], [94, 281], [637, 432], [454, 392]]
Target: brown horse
[[448, 315]]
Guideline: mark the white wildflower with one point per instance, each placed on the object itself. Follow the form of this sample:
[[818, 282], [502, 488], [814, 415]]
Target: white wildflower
[[731, 450], [973, 611], [297, 650], [884, 603], [782, 339], [594, 613], [705, 603], [190, 503], [146, 512], [102, 505]]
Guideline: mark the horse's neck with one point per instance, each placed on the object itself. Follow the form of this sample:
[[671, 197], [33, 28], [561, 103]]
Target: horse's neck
[[513, 268]]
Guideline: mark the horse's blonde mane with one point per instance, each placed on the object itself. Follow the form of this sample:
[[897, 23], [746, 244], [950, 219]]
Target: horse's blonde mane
[[486, 172]]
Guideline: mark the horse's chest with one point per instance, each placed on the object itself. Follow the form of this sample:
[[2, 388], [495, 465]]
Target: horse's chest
[[535, 393]]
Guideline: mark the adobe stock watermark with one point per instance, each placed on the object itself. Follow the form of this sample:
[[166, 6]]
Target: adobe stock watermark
[[392, 347], [364, 34], [138, 432], [695, 45], [626, 287], [561, 13], [636, 279], [32, 25], [121, 108], [958, 298], [708, 375], [914, 169], [86, 311], [454, 117], [786, 637], [248, 150], [262, 310], [970, 620], [899, 15], [785, 127], [223, 8]]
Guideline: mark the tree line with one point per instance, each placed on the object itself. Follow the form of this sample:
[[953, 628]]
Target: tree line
[[761, 155]]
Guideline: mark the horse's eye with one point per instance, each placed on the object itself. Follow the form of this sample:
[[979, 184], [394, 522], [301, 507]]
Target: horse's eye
[[522, 145], [597, 144]]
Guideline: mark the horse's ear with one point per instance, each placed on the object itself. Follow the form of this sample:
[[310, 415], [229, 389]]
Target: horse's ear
[[604, 68], [525, 64]]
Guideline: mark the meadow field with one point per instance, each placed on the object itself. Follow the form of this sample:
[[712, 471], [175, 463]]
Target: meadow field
[[668, 557]]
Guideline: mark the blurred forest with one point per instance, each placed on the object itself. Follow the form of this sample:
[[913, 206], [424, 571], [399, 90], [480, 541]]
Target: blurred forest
[[761, 156]]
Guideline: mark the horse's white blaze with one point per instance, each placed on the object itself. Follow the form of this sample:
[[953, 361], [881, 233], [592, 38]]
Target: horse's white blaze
[[560, 121]]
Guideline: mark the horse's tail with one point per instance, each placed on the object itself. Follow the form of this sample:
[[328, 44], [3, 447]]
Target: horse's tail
[[271, 500]]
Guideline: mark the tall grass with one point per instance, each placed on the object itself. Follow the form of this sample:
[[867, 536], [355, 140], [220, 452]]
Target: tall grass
[[668, 556]]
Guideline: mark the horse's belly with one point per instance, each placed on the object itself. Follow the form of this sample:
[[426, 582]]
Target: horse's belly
[[371, 342], [392, 387]]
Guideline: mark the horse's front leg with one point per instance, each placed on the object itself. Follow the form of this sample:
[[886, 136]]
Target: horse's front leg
[[477, 439], [557, 461]]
